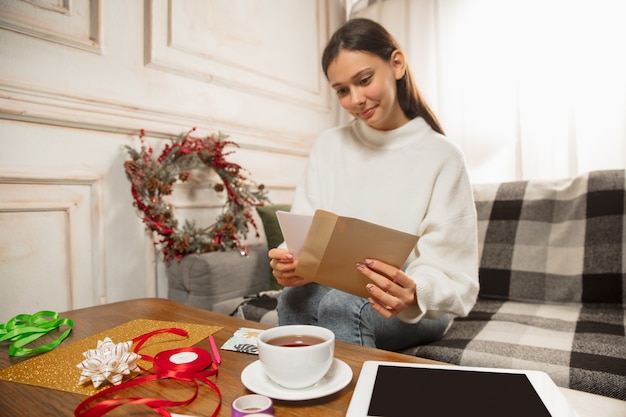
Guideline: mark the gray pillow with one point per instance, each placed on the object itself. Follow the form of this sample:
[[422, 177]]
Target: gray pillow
[[201, 280]]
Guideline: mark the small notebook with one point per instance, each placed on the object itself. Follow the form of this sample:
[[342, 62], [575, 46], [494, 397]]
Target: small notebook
[[243, 340]]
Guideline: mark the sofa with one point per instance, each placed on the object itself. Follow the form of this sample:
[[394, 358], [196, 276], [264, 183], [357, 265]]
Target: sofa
[[552, 282]]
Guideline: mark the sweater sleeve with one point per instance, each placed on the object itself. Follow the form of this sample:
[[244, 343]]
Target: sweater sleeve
[[445, 265]]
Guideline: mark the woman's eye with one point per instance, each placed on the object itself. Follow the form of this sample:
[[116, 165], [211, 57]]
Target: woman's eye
[[342, 91], [366, 80]]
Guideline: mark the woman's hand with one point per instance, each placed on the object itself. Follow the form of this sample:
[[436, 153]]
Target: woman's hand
[[284, 268], [391, 290]]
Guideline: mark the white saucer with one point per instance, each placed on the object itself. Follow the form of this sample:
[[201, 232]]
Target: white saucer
[[338, 376]]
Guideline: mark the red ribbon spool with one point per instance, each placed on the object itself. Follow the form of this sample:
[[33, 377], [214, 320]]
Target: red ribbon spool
[[191, 364]]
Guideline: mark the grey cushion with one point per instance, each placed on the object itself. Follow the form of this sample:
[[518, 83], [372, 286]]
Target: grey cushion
[[273, 234], [201, 280]]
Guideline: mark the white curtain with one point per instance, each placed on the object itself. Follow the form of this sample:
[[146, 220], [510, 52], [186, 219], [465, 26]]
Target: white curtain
[[529, 89]]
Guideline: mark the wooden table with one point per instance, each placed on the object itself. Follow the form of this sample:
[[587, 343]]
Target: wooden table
[[26, 400]]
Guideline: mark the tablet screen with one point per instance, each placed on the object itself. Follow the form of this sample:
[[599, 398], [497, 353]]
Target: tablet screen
[[402, 391]]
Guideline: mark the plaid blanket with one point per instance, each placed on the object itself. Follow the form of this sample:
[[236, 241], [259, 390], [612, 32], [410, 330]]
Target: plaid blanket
[[580, 346], [552, 274], [556, 241]]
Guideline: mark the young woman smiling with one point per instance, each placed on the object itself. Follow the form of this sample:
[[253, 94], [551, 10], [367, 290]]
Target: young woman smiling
[[391, 165]]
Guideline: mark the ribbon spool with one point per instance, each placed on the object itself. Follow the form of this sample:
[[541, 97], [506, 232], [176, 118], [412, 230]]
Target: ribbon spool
[[191, 362], [259, 415], [252, 405]]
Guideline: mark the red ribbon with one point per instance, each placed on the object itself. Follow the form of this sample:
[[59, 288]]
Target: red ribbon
[[190, 364]]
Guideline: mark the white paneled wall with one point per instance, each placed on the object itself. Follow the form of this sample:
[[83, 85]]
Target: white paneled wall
[[43, 219], [79, 79]]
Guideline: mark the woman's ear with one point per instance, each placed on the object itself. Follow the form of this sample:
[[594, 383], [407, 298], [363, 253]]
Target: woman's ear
[[398, 62]]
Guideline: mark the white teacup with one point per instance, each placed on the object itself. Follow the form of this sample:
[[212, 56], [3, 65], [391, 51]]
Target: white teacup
[[300, 366]]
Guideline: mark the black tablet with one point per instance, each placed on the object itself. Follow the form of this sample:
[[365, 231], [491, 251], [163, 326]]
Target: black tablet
[[400, 389]]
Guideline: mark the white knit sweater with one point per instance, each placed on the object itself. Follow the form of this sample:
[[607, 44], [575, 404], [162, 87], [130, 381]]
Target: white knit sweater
[[411, 179]]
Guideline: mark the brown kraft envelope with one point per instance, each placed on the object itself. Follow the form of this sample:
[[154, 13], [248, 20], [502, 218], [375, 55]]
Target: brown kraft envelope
[[334, 244]]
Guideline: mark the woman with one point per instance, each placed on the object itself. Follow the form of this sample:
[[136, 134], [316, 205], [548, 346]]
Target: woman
[[392, 166]]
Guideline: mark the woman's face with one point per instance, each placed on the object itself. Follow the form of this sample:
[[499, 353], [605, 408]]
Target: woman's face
[[366, 87]]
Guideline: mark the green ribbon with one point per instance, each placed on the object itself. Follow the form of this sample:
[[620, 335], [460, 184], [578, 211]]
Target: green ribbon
[[26, 328]]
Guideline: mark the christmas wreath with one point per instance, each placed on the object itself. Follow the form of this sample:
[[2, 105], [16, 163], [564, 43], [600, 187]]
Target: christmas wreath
[[152, 179]]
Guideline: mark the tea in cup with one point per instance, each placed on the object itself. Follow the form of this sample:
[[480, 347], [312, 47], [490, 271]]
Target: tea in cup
[[296, 356]]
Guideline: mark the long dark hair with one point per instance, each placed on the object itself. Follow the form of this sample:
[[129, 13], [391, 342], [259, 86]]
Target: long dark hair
[[365, 35]]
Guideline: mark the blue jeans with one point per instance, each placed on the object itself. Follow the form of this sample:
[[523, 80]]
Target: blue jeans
[[352, 319]]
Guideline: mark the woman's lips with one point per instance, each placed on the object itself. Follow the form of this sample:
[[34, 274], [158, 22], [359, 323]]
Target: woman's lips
[[367, 113]]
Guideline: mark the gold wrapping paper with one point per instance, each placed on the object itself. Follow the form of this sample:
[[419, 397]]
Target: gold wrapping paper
[[57, 369]]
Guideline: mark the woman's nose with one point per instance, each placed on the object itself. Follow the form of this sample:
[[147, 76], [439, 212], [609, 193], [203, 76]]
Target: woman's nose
[[356, 97]]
